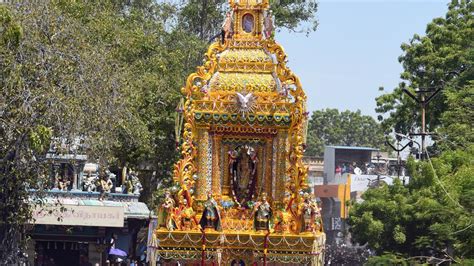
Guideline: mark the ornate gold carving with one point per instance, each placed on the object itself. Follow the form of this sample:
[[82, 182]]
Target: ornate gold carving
[[248, 82], [241, 130]]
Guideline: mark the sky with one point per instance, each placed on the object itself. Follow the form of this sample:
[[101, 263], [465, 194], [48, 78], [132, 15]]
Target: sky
[[355, 49]]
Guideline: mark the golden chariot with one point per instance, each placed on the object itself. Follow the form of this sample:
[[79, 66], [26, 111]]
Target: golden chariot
[[241, 179]]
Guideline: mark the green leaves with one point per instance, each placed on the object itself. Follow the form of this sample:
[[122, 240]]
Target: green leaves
[[422, 216], [40, 138], [331, 127], [430, 61], [10, 31]]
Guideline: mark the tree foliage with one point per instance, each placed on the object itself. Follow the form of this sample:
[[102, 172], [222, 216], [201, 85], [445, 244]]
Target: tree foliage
[[54, 82], [204, 18], [331, 127], [429, 220], [432, 216], [441, 58]]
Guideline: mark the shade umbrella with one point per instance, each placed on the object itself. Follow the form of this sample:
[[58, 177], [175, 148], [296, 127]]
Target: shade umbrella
[[117, 255]]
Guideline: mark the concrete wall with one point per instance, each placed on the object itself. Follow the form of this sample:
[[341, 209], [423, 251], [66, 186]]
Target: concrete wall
[[95, 257]]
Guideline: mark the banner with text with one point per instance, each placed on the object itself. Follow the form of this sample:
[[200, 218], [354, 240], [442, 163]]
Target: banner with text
[[108, 216]]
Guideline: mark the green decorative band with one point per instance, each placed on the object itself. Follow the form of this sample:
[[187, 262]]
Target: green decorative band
[[276, 119]]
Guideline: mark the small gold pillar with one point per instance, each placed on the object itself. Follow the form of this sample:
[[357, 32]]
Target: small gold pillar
[[226, 190], [203, 146], [216, 165], [281, 165], [268, 166]]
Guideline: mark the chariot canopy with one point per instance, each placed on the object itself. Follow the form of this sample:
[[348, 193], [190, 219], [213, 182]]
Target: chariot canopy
[[242, 147]]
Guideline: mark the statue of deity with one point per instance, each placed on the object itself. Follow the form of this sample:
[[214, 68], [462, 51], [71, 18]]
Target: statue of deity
[[284, 222], [227, 29], [105, 186], [243, 173], [309, 212], [63, 183], [90, 182], [318, 222], [210, 216], [262, 214], [166, 212], [187, 216], [268, 25], [233, 156]]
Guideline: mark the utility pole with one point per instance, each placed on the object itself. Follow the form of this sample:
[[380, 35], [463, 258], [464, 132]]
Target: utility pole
[[423, 97], [378, 167]]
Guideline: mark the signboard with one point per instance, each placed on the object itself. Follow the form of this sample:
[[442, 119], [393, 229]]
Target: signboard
[[360, 183], [336, 223], [107, 216]]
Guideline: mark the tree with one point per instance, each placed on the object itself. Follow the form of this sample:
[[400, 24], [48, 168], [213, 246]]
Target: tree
[[431, 217], [441, 58], [204, 18], [54, 82], [331, 127], [457, 121]]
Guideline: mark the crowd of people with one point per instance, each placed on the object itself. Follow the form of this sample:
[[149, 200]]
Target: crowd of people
[[370, 168]]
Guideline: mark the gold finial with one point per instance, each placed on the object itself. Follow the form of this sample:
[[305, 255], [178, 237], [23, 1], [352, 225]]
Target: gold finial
[[249, 3]]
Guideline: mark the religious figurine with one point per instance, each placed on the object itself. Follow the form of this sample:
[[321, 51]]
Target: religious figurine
[[227, 30], [268, 25], [262, 214], [284, 222], [309, 211], [128, 186], [210, 216], [63, 183], [105, 186], [318, 222], [166, 210], [187, 216], [89, 184], [233, 163], [136, 184], [248, 23]]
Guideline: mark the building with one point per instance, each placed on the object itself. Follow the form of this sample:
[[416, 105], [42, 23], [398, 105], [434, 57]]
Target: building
[[315, 170], [348, 173], [75, 223]]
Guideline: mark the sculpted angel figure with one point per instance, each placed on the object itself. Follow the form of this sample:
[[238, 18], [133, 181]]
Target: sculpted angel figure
[[227, 30], [268, 25], [167, 209]]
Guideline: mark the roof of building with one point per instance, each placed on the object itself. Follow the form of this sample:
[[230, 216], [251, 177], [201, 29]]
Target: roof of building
[[132, 207], [353, 148]]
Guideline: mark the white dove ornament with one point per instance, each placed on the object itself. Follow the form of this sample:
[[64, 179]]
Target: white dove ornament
[[245, 102]]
